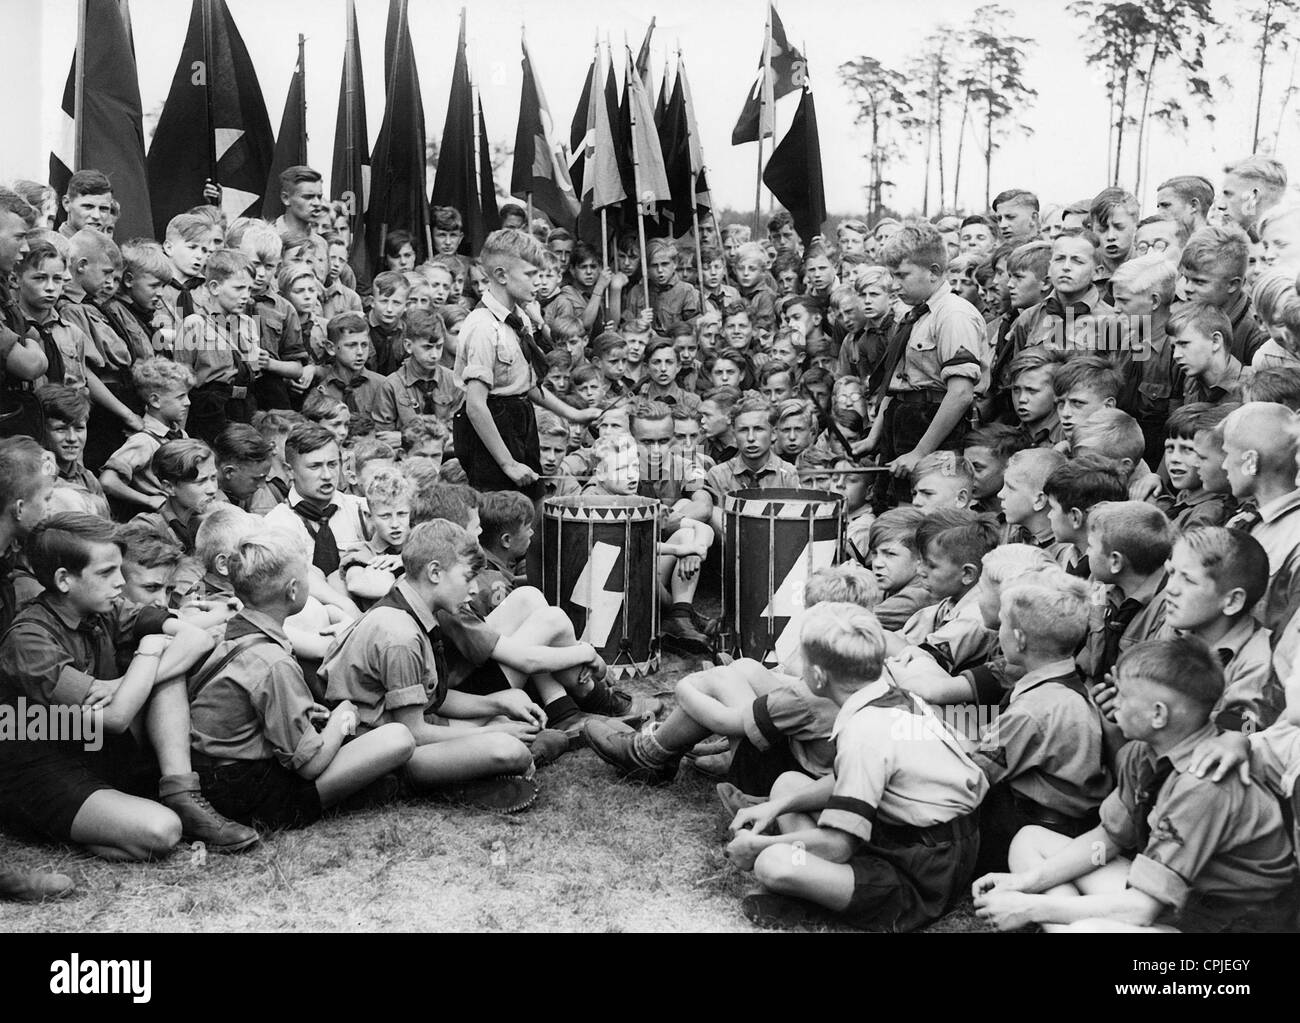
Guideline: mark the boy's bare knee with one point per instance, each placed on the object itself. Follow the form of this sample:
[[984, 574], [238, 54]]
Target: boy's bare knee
[[399, 743], [775, 867], [530, 598], [1026, 848], [160, 833], [790, 781], [553, 620], [506, 754]]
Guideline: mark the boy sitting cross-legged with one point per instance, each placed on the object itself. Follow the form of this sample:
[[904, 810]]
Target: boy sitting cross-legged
[[774, 723], [524, 642], [896, 833], [1043, 755], [392, 668], [78, 645], [253, 719], [1173, 851]]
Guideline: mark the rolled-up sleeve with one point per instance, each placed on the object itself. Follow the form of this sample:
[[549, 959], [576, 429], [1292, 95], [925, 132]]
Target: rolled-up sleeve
[[41, 669], [282, 701], [479, 342]]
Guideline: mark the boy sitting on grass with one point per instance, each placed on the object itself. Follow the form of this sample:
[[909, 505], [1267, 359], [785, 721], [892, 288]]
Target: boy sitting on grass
[[1177, 851], [392, 668], [506, 529], [253, 719], [773, 722], [1044, 754], [79, 645], [896, 832]]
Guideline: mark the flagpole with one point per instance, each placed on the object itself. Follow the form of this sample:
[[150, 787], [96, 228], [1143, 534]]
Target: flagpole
[[604, 238], [695, 210], [636, 182], [763, 86], [302, 75], [79, 86], [357, 188], [206, 13]]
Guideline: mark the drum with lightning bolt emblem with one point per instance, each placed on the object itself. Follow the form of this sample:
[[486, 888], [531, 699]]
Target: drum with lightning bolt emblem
[[772, 540], [598, 566]]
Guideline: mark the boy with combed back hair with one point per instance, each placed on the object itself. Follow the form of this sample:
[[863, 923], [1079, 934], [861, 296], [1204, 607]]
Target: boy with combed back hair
[[895, 833]]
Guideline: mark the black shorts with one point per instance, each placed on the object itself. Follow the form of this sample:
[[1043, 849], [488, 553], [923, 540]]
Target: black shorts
[[260, 792], [483, 681], [905, 878], [755, 771], [1004, 812], [516, 422], [43, 785]]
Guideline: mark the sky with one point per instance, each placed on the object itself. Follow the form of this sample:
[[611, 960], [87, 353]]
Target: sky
[[1063, 160]]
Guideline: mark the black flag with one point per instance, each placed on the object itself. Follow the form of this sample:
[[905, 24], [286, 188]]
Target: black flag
[[456, 182], [291, 143], [788, 70], [350, 173], [397, 185], [214, 124], [794, 173]]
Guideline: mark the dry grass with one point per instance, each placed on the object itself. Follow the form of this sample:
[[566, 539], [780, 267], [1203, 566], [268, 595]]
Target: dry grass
[[593, 854]]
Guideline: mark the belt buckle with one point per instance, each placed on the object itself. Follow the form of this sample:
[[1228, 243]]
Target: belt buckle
[[238, 393]]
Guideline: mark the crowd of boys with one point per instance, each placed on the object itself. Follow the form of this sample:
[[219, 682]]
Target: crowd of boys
[[277, 529]]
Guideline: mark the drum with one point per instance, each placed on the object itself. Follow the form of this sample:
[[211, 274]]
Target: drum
[[599, 566], [772, 540]]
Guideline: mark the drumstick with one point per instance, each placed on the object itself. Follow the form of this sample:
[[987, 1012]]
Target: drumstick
[[855, 471]]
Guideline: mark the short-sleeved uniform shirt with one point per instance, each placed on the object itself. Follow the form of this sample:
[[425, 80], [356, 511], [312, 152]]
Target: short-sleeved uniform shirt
[[53, 660], [386, 661], [1046, 743], [495, 581], [677, 303], [361, 394], [133, 460], [946, 343], [792, 712], [339, 298], [490, 352], [1221, 839], [952, 632], [214, 344], [896, 763], [732, 475], [255, 707], [72, 344], [403, 398]]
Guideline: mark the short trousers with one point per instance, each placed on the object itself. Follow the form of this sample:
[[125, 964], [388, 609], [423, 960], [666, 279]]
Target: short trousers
[[260, 792], [43, 785], [905, 878]]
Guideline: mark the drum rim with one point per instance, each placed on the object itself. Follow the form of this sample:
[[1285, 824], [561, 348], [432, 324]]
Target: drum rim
[[624, 507], [822, 504]]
